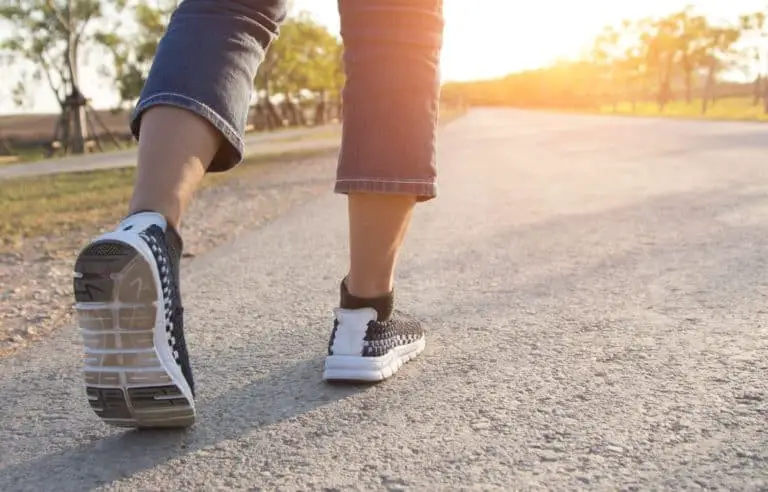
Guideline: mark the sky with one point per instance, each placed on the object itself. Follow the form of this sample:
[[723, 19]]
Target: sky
[[489, 38]]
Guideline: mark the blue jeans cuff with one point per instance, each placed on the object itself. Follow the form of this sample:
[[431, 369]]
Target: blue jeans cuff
[[229, 155]]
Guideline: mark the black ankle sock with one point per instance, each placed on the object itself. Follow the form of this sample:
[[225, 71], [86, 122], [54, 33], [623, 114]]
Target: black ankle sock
[[383, 305]]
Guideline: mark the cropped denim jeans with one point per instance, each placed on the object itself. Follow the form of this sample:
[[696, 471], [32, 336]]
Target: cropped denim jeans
[[208, 59]]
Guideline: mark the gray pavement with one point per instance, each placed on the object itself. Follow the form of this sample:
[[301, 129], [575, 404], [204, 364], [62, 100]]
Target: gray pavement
[[255, 144], [595, 292]]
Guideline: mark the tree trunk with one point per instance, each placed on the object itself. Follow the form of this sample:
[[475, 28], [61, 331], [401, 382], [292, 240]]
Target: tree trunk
[[664, 89], [632, 95], [765, 98], [5, 147], [272, 118], [79, 129], [708, 90], [300, 114], [285, 112], [688, 86], [79, 123], [757, 90], [259, 121], [321, 112]]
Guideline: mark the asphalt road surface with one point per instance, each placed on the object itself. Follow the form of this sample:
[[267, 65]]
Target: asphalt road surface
[[595, 292], [255, 144]]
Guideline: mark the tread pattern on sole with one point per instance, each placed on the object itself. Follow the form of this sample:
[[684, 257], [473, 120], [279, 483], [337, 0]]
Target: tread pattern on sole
[[126, 383]]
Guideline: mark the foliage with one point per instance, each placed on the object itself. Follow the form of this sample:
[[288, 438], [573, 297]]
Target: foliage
[[133, 54], [305, 56], [659, 60], [52, 34]]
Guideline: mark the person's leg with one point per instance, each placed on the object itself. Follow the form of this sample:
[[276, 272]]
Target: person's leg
[[387, 165], [175, 149], [193, 110], [190, 119], [377, 227]]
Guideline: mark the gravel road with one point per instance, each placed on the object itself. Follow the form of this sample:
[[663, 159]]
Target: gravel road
[[595, 292]]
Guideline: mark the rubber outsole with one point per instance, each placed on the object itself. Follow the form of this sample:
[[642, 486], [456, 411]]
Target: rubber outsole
[[355, 368], [127, 383]]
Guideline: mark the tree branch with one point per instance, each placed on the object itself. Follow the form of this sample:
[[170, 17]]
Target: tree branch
[[47, 70], [57, 15]]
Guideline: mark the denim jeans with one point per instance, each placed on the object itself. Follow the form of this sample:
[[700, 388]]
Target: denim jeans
[[209, 56]]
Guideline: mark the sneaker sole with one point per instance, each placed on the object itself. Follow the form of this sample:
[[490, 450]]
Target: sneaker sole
[[131, 378], [370, 369]]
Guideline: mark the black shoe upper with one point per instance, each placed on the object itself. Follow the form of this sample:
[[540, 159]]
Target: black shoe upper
[[389, 330], [383, 336], [166, 247]]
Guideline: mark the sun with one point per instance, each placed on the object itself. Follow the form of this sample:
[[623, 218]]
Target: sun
[[489, 38]]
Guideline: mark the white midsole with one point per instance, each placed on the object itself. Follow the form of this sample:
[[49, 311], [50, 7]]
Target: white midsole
[[159, 336], [371, 368]]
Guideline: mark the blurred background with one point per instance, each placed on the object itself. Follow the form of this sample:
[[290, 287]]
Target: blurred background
[[72, 69]]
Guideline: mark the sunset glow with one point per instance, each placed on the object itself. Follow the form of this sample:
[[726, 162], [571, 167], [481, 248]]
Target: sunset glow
[[490, 38]]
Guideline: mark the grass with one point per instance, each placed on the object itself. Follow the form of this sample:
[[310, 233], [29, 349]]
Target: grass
[[62, 203], [728, 109], [34, 154], [76, 203]]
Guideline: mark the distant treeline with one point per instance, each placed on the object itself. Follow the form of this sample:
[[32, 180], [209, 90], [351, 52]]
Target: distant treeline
[[684, 55], [560, 88]]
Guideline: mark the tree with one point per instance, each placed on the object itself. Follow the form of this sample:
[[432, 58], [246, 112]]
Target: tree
[[605, 56], [52, 34], [5, 148], [689, 45], [718, 47], [305, 57], [661, 41], [753, 27], [133, 54]]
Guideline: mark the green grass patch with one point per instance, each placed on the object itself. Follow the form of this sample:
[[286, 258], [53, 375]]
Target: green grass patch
[[60, 205], [732, 108]]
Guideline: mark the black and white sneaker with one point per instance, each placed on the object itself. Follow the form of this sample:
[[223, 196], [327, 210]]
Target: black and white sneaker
[[365, 347], [128, 304]]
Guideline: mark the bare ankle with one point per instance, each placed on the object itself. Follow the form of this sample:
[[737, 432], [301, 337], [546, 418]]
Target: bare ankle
[[175, 149]]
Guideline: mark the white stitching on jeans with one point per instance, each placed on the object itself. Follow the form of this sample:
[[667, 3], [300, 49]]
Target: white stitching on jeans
[[224, 122]]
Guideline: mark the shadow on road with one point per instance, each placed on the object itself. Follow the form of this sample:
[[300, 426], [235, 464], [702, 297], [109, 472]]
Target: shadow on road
[[264, 402]]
